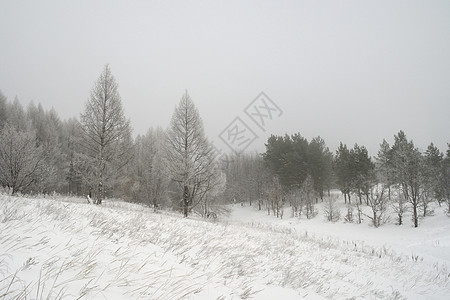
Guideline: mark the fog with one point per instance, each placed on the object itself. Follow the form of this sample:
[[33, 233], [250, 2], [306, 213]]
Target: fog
[[351, 71]]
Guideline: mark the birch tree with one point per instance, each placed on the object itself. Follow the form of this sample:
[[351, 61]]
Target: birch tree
[[190, 156], [106, 138]]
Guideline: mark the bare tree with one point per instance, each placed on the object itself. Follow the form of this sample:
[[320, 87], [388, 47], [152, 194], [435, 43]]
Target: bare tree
[[308, 195], [331, 209], [21, 160], [149, 168], [190, 156], [399, 204], [276, 198], [378, 202], [209, 203], [295, 200], [106, 139]]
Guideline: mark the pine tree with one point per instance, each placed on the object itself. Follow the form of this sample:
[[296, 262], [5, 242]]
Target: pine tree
[[407, 164], [343, 170], [445, 179], [384, 166], [431, 177], [363, 176], [320, 165]]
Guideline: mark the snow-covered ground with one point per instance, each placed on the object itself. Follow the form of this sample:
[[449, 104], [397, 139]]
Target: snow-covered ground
[[67, 249], [430, 242]]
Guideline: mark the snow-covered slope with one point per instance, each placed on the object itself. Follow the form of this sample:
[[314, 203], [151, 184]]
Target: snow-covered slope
[[59, 249], [429, 242]]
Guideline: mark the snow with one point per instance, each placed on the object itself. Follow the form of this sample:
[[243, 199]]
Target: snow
[[65, 248], [430, 241]]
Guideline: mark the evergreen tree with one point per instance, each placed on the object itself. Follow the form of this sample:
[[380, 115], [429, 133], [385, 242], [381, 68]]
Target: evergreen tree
[[343, 170], [445, 179], [431, 177], [384, 166], [287, 158], [407, 163], [320, 165], [362, 173]]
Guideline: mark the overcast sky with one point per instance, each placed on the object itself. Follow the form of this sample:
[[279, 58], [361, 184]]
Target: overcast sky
[[350, 71]]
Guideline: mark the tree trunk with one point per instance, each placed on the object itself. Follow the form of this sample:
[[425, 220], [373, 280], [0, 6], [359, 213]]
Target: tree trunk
[[185, 201], [389, 193], [416, 221]]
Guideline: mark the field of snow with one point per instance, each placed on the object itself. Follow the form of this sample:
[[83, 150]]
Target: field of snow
[[68, 249], [430, 242]]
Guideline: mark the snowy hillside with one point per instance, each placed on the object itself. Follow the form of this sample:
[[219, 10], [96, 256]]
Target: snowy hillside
[[66, 249]]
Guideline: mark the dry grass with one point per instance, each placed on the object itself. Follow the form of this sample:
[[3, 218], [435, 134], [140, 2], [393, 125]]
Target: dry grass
[[71, 250]]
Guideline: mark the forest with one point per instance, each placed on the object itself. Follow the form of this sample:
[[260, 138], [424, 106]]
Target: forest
[[96, 156]]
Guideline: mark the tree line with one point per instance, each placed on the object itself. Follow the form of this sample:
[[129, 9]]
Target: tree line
[[178, 168], [97, 157], [302, 172]]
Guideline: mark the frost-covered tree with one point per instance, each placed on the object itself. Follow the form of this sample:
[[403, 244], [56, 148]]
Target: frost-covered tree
[[210, 202], [407, 163], [378, 202], [331, 209], [384, 166], [190, 157], [106, 138], [3, 110], [48, 129], [149, 167], [247, 178], [21, 161], [16, 116], [70, 147], [431, 177]]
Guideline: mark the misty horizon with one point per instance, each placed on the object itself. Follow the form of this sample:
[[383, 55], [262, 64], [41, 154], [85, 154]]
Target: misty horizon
[[351, 73]]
